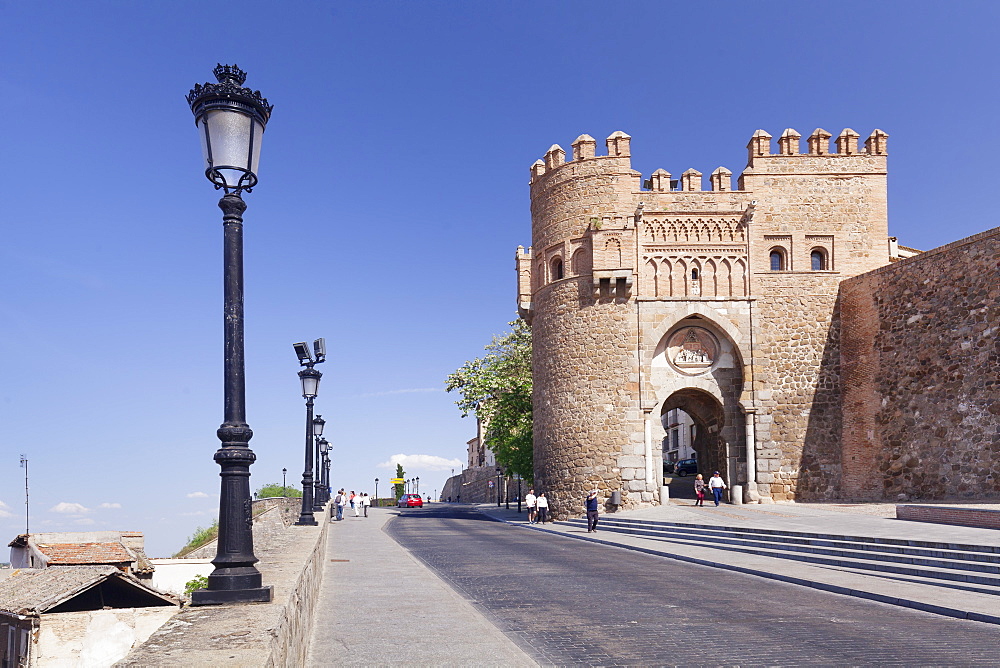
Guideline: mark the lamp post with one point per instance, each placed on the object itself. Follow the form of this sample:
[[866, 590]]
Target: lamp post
[[506, 491], [317, 430], [310, 378], [518, 493], [230, 121], [324, 471], [376, 491], [499, 474], [284, 479], [418, 484]]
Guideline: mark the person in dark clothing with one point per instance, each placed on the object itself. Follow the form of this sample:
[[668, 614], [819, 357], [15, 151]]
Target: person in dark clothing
[[592, 512]]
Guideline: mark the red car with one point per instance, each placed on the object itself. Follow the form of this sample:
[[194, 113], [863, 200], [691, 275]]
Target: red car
[[410, 501]]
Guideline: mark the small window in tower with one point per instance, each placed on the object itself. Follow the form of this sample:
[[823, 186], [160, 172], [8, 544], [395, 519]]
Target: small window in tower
[[694, 274], [818, 259], [557, 269], [777, 260]]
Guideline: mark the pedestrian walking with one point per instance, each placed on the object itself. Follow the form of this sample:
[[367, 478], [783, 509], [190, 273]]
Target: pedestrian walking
[[716, 484], [365, 502], [699, 490], [341, 501], [529, 500], [542, 504], [591, 504], [355, 503]]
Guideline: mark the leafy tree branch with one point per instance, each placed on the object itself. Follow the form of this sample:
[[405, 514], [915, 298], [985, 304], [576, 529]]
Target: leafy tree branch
[[497, 389]]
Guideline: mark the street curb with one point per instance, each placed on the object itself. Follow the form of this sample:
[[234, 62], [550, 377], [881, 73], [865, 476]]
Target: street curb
[[944, 611]]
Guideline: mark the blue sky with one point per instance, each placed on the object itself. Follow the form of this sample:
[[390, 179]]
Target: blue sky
[[393, 193]]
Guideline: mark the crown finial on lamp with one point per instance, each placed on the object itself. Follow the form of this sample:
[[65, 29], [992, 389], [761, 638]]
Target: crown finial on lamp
[[229, 74]]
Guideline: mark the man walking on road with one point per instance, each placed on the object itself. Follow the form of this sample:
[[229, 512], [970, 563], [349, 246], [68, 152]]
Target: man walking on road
[[592, 512], [529, 501], [716, 484]]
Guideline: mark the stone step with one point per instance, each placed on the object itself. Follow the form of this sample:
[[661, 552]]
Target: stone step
[[863, 561], [987, 553], [830, 544]]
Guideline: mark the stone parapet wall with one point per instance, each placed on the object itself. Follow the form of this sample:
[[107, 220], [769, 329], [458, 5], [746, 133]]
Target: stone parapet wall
[[257, 634], [270, 517], [473, 486], [921, 347]]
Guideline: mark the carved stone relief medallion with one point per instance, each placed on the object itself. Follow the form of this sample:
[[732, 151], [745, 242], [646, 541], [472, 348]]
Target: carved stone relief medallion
[[692, 350]]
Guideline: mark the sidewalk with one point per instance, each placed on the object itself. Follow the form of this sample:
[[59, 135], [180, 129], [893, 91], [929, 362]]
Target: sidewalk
[[380, 606], [846, 520]]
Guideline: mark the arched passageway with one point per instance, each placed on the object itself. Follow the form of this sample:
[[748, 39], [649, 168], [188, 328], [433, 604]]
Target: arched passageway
[[709, 420]]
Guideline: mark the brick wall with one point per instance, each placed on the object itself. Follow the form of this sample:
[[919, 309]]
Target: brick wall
[[921, 353], [966, 517]]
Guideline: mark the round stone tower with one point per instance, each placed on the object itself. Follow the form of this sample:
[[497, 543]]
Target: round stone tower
[[575, 289]]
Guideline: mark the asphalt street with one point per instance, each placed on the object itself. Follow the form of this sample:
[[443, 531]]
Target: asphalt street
[[565, 601]]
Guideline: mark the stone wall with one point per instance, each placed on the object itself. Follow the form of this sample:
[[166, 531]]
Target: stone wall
[[921, 355], [95, 637], [472, 485], [259, 634]]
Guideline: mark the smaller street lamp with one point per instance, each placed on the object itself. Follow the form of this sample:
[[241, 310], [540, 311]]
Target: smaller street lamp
[[518, 476], [499, 474], [317, 430], [324, 477], [417, 479], [309, 377], [376, 491], [284, 480]]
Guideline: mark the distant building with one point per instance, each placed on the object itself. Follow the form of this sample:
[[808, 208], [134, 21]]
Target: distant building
[[121, 549], [76, 615], [681, 434]]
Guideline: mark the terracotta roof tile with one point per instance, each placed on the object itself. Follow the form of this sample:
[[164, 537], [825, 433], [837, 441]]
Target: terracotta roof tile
[[84, 553]]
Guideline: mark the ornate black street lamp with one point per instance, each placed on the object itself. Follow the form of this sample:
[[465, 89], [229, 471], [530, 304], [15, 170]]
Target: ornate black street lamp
[[310, 378], [284, 486], [376, 490], [318, 423], [417, 482], [230, 121], [499, 474]]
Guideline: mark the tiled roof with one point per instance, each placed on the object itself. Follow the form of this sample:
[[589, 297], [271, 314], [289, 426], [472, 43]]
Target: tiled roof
[[59, 554], [33, 591]]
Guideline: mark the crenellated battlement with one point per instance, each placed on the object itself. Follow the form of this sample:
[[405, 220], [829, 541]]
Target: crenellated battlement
[[818, 144], [619, 145]]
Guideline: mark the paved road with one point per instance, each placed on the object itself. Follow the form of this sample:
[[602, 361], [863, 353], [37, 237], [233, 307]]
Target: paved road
[[566, 601]]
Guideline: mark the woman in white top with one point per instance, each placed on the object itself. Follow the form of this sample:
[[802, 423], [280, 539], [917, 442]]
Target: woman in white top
[[365, 502], [543, 508]]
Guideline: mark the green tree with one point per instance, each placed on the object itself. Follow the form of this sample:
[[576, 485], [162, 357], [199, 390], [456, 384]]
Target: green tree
[[497, 389], [274, 489], [398, 487]]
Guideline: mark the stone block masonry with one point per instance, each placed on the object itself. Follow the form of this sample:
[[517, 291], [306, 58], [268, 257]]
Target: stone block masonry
[[921, 350]]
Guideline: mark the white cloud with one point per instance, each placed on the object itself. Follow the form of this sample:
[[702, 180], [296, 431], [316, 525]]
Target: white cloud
[[85, 520], [69, 508], [193, 514], [197, 495], [411, 390], [5, 510], [110, 505], [422, 462]]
